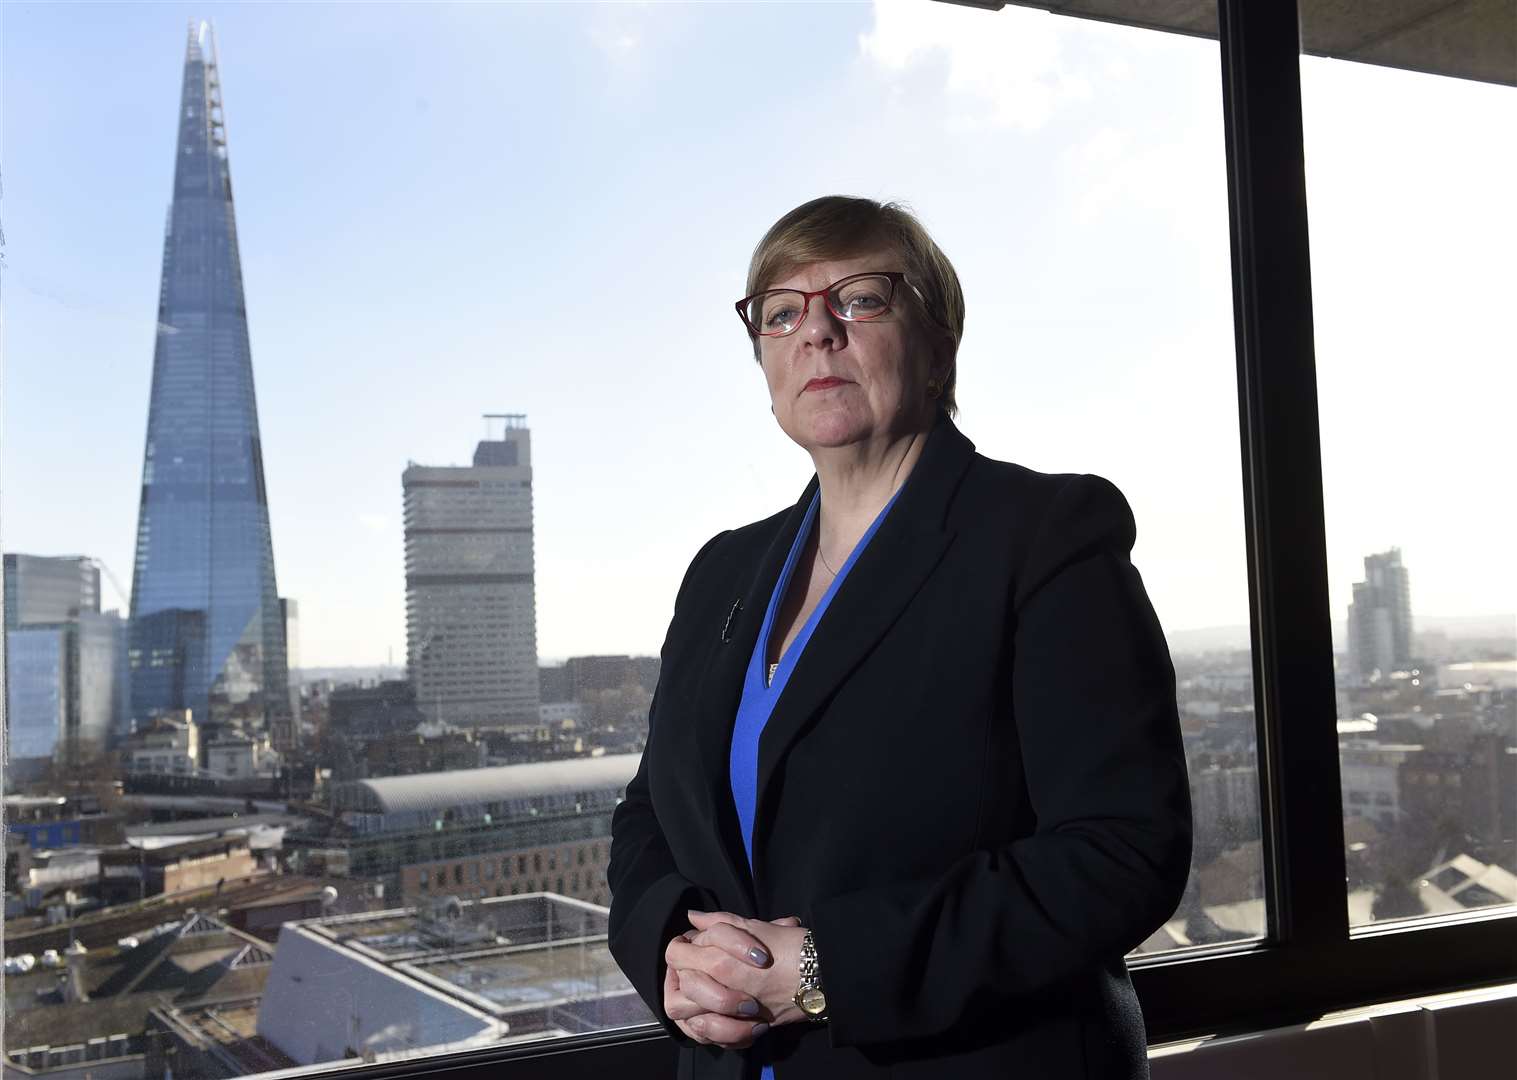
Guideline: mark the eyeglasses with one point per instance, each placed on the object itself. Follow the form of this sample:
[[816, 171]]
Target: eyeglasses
[[856, 298]]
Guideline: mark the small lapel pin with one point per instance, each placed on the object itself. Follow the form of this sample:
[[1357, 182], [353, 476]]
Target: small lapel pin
[[737, 605]]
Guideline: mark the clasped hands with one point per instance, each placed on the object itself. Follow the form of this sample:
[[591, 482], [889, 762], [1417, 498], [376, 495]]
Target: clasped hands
[[730, 979]]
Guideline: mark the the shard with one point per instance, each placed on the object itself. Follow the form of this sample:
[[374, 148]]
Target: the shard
[[206, 632]]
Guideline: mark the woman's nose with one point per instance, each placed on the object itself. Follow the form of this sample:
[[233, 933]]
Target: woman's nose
[[822, 328]]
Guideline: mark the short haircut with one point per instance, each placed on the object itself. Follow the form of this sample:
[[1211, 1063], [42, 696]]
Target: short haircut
[[840, 226]]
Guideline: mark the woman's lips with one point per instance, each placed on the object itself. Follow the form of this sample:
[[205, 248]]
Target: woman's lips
[[825, 384]]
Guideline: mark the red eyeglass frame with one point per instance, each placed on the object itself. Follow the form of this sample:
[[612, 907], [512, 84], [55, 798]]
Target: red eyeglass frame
[[896, 277]]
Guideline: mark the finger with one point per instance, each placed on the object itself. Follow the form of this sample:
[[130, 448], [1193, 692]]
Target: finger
[[713, 997], [702, 919], [676, 1005], [689, 1028], [788, 920], [688, 956], [735, 942], [724, 1030]]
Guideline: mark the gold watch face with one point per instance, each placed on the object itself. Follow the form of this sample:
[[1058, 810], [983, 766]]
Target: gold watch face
[[812, 1001]]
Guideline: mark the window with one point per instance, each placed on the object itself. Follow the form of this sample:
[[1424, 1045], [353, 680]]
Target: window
[[1412, 234], [1128, 231]]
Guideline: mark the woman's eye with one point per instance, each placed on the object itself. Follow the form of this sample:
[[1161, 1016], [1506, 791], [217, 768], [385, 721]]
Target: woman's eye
[[863, 304], [780, 317]]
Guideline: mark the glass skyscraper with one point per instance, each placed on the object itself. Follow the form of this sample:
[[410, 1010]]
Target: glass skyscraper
[[206, 629]]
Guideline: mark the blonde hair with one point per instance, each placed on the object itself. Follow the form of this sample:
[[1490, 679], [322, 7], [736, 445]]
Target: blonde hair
[[840, 226]]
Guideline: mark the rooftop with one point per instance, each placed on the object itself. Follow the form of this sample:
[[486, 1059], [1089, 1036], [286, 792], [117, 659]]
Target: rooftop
[[502, 783], [451, 974]]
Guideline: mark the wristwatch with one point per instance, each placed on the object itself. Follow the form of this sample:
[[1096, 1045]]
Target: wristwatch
[[810, 998]]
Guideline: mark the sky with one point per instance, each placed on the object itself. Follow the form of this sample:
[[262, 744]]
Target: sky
[[451, 210]]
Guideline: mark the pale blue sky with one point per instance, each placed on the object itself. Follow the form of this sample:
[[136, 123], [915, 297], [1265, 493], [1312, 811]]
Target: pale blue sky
[[451, 210]]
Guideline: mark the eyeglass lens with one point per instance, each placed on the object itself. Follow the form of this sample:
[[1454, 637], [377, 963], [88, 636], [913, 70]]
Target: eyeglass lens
[[780, 311]]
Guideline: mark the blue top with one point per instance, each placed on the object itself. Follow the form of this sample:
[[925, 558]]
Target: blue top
[[761, 695]]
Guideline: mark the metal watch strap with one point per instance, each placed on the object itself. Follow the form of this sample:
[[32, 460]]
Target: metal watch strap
[[810, 971]]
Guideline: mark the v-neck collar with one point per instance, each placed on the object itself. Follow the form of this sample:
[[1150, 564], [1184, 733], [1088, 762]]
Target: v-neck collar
[[759, 663]]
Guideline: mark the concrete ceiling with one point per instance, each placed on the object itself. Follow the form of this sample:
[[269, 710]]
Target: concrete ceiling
[[1468, 39]]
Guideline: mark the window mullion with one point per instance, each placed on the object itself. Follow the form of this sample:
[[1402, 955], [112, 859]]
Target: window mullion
[[1282, 474]]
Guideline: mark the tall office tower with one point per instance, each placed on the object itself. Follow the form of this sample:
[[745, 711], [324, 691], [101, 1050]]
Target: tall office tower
[[471, 609], [206, 632], [1380, 617], [45, 589], [64, 687]]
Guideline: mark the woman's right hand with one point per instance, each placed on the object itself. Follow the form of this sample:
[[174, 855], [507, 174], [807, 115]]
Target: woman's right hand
[[707, 1011]]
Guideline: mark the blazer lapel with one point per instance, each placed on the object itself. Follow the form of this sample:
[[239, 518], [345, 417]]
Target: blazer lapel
[[888, 573], [721, 688]]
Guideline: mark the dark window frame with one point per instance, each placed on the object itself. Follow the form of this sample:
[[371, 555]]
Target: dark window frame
[[1312, 961]]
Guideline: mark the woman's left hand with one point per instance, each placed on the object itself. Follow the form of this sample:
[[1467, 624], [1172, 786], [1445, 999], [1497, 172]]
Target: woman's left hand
[[721, 948]]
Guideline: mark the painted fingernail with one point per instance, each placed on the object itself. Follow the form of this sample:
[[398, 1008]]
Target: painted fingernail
[[759, 1029], [758, 956], [748, 1008]]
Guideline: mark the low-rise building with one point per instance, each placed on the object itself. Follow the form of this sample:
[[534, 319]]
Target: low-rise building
[[445, 975], [498, 831], [170, 747], [241, 757], [92, 1019], [194, 864]]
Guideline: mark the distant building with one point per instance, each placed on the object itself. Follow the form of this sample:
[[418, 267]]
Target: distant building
[[59, 821], [498, 831], [471, 616], [1371, 775], [1380, 617], [405, 754], [560, 713], [1475, 786], [206, 632], [36, 715], [284, 729], [585, 674], [65, 695], [169, 747], [172, 868], [356, 711], [443, 976], [47, 589], [1219, 793], [241, 757]]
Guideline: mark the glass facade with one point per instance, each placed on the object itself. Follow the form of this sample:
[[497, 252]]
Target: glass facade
[[36, 695], [206, 629], [42, 589]]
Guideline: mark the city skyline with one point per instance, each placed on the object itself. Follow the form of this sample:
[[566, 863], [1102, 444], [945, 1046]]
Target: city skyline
[[445, 219]]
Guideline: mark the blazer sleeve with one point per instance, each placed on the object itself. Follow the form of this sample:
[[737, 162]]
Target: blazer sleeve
[[1093, 696], [649, 896]]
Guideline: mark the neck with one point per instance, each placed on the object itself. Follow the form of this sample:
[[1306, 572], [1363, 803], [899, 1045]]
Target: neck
[[857, 481]]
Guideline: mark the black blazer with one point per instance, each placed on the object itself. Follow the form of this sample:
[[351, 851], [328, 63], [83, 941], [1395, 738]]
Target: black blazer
[[972, 789]]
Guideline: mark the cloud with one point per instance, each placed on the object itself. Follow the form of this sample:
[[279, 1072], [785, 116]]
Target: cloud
[[374, 522], [1002, 69], [619, 33]]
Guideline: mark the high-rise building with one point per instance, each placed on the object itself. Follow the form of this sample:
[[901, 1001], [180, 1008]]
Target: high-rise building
[[1380, 617], [471, 612], [206, 631], [65, 691], [47, 589]]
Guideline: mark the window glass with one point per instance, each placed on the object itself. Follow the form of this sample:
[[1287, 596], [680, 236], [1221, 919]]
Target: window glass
[[346, 624], [1413, 227]]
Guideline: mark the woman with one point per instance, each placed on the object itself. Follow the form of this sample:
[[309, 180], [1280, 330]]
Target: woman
[[913, 783]]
